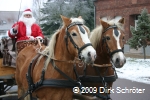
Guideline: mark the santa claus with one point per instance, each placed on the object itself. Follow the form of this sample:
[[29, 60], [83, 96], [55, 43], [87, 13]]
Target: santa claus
[[26, 28]]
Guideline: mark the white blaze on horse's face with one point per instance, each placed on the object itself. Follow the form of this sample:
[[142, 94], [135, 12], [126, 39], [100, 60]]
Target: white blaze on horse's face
[[89, 52], [118, 58]]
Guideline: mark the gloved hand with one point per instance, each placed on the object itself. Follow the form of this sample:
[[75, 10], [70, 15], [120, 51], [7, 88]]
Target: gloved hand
[[31, 37], [15, 27], [14, 30], [39, 38]]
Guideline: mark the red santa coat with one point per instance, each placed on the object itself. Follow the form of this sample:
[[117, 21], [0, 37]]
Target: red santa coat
[[21, 32]]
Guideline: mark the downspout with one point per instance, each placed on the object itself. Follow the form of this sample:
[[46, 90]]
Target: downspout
[[94, 13]]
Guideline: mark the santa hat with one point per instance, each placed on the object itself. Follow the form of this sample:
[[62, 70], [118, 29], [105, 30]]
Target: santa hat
[[27, 11]]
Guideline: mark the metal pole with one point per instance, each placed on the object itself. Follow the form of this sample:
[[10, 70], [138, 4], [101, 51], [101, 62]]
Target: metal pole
[[19, 11], [8, 95]]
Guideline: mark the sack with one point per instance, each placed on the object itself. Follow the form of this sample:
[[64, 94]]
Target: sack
[[8, 51]]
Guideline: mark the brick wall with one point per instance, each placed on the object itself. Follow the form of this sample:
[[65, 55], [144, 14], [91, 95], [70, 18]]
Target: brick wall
[[124, 8]]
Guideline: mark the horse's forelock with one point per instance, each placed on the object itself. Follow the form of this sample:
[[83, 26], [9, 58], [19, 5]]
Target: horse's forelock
[[77, 20], [115, 22]]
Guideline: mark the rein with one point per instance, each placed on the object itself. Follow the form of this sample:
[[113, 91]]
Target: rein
[[72, 41]]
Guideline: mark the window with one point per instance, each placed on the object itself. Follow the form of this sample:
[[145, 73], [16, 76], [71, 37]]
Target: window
[[3, 21], [135, 21]]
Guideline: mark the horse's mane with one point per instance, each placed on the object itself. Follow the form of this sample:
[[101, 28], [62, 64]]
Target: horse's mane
[[97, 32]]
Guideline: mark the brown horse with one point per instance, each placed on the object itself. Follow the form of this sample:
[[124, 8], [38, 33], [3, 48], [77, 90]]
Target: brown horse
[[108, 40], [65, 46]]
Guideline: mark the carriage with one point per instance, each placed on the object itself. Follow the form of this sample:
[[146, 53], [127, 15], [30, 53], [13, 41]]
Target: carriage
[[6, 73], [8, 63], [6, 78], [71, 63]]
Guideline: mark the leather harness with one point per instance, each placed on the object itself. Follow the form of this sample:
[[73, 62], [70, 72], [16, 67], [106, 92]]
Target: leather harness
[[69, 83]]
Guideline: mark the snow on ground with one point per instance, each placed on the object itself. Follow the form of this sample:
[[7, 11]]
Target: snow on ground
[[136, 70]]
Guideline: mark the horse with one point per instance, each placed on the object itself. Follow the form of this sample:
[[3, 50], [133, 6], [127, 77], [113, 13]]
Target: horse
[[53, 68], [108, 39]]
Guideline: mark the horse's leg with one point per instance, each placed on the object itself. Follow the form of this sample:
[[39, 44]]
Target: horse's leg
[[20, 92]]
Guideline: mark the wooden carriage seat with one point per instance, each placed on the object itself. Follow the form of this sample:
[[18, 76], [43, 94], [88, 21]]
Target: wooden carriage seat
[[10, 49], [22, 44]]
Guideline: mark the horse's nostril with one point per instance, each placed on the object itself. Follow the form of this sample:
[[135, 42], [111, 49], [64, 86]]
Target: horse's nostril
[[125, 61], [89, 54], [117, 60]]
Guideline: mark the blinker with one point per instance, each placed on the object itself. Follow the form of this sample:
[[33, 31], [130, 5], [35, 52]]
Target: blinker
[[116, 31], [81, 29]]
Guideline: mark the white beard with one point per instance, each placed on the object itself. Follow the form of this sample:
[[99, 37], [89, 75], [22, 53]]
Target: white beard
[[28, 22]]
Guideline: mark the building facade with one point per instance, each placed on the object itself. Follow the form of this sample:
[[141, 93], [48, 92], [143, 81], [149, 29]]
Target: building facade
[[7, 19], [128, 9]]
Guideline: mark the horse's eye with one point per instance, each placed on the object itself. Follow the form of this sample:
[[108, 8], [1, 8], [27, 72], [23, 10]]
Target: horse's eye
[[107, 38], [123, 39], [74, 34]]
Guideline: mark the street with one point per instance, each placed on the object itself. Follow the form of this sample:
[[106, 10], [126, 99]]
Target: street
[[139, 91], [124, 90]]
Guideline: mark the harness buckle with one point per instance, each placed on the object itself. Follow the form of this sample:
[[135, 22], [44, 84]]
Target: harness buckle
[[79, 83]]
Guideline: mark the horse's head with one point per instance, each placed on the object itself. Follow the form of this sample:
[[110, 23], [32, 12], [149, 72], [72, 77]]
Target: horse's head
[[77, 40], [108, 39], [113, 38]]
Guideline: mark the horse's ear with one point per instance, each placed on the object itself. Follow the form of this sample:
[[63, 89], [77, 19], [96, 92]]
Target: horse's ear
[[103, 23], [66, 20], [80, 17], [121, 21]]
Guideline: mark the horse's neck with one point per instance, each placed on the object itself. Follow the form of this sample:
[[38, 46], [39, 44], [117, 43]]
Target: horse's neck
[[102, 55], [62, 54], [61, 49]]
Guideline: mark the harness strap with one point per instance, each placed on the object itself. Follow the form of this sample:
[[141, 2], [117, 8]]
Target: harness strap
[[29, 79], [113, 26], [62, 73], [103, 82], [22, 97], [115, 51], [57, 83], [103, 65], [84, 46], [97, 79]]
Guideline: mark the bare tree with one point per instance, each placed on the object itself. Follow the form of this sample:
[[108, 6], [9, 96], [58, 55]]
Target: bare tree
[[37, 5]]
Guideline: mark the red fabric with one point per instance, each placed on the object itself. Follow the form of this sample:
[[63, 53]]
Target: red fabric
[[21, 35], [27, 10]]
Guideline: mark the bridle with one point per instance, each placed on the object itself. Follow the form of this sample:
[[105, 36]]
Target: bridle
[[104, 40], [72, 41]]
